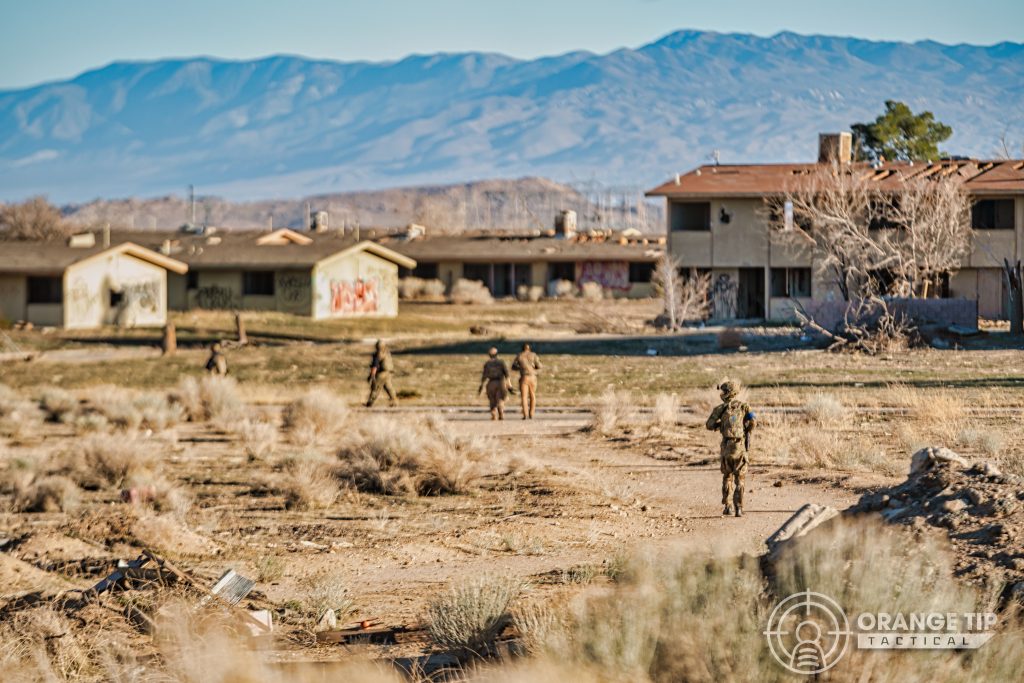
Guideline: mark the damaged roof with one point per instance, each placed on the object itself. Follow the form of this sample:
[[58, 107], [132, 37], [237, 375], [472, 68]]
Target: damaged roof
[[980, 177], [528, 249]]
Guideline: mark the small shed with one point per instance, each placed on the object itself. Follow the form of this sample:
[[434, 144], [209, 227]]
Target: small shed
[[81, 285]]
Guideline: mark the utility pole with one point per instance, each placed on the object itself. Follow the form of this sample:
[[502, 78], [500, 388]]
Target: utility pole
[[192, 203]]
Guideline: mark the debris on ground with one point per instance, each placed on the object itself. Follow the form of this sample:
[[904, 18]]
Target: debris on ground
[[980, 508]]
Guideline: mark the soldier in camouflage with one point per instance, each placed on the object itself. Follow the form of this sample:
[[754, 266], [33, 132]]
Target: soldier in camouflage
[[217, 363], [495, 377], [381, 367], [527, 363], [734, 419]]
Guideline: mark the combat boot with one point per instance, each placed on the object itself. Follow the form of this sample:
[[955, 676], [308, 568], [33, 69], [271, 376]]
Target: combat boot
[[739, 511], [727, 511]]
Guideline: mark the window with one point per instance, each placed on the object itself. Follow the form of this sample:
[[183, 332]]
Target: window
[[192, 280], [46, 290], [116, 298], [562, 271], [992, 214], [640, 272], [477, 271], [791, 282], [425, 271], [687, 216], [258, 283]]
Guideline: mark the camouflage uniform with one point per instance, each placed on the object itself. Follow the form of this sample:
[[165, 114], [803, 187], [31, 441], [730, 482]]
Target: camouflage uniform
[[733, 419], [495, 376], [381, 367], [217, 364], [527, 363]]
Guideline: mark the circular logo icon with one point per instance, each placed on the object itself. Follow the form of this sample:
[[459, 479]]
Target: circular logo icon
[[808, 632]]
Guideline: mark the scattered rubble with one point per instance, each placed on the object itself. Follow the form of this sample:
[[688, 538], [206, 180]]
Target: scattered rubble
[[979, 508]]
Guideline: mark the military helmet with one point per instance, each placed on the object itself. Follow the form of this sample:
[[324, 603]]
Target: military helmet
[[729, 389]]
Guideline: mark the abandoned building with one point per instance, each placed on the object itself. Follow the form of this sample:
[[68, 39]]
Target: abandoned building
[[621, 262], [317, 274], [79, 284], [717, 224]]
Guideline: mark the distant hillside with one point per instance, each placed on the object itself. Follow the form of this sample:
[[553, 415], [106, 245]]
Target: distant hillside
[[524, 204], [288, 126]]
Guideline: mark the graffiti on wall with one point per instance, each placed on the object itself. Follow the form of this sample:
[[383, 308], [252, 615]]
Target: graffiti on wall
[[135, 301], [608, 274], [723, 298], [79, 301], [361, 295], [214, 297], [292, 288]]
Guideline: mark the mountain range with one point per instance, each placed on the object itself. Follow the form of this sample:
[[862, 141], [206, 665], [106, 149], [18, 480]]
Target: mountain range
[[286, 126]]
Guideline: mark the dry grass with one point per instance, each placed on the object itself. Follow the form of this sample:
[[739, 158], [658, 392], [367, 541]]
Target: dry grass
[[130, 409], [167, 533], [258, 437], [825, 409], [308, 483], [58, 404], [615, 410], [210, 398], [471, 615], [325, 591], [666, 410], [807, 444], [158, 493], [37, 645], [105, 459], [19, 416], [44, 493], [315, 416], [406, 456]]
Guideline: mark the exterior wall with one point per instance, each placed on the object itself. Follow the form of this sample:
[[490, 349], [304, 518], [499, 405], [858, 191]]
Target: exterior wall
[[293, 290], [746, 241], [357, 285], [13, 298], [222, 289], [216, 289], [449, 272], [88, 287], [177, 292]]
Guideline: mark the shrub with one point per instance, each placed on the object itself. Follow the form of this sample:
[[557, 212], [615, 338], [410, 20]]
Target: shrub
[[46, 493], [825, 409], [471, 615], [58, 404], [130, 410], [730, 339], [258, 437], [470, 292], [561, 289], [314, 416], [393, 457], [308, 484], [592, 291], [615, 410], [210, 398], [666, 410], [112, 460], [325, 591], [18, 415], [156, 492]]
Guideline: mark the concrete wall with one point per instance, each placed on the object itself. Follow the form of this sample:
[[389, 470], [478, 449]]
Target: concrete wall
[[216, 289], [357, 285], [89, 285]]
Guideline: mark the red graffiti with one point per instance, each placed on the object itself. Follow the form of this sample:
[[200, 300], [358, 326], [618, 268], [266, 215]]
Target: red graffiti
[[608, 274], [354, 296]]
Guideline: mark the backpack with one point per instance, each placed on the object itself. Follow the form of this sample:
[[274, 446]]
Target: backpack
[[731, 419], [494, 369]]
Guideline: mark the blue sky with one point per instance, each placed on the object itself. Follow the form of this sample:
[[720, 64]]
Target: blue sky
[[44, 40]]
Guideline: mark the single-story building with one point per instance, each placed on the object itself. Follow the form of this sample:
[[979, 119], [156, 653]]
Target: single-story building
[[79, 284], [622, 263], [317, 274], [716, 223]]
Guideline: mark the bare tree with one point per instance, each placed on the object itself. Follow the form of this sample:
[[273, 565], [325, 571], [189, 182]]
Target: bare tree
[[33, 219], [684, 298], [931, 220]]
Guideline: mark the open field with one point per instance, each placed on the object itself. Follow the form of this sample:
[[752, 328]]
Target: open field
[[278, 473]]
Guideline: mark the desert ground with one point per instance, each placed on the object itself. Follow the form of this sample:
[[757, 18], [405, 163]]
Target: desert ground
[[390, 515]]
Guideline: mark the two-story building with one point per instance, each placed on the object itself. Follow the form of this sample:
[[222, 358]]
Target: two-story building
[[717, 222]]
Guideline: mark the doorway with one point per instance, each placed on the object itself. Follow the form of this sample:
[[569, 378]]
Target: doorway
[[750, 295]]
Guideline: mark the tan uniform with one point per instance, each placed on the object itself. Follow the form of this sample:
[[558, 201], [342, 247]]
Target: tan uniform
[[527, 363], [381, 379], [733, 460], [217, 364], [495, 373]]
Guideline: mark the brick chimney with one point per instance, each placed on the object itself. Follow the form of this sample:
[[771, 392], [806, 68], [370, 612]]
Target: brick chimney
[[835, 147]]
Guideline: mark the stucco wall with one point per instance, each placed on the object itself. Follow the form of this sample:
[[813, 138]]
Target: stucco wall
[[13, 297], [356, 285], [88, 286], [216, 289]]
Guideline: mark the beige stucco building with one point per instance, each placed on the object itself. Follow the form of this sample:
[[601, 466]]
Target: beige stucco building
[[88, 286], [622, 263], [320, 275], [716, 221]]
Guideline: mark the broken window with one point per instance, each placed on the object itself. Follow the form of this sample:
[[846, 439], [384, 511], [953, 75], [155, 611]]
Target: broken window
[[690, 216], [992, 214], [565, 270], [791, 282], [192, 280], [640, 272], [258, 283], [116, 298], [46, 290]]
